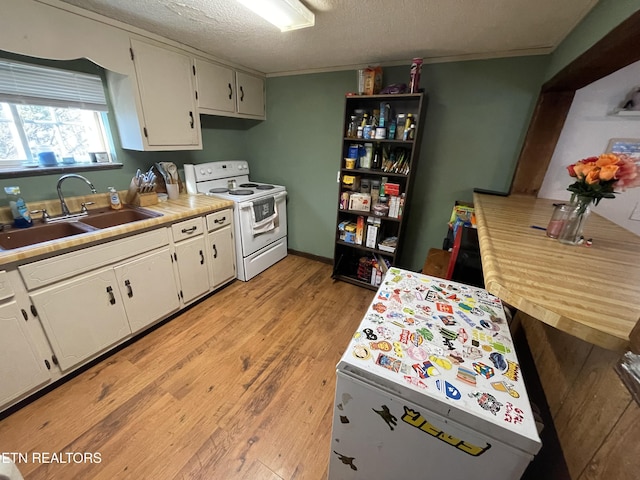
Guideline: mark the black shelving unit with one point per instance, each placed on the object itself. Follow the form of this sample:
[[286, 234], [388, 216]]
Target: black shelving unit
[[351, 260]]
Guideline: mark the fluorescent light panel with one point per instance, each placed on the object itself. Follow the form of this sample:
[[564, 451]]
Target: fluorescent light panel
[[284, 14]]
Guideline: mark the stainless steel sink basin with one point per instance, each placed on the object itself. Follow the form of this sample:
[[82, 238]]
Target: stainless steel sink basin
[[22, 237], [106, 218]]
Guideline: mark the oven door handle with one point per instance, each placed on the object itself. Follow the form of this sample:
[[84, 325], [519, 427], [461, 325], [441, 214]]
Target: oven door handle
[[277, 197]]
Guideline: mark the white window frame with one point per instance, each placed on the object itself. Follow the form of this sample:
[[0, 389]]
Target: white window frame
[[27, 84]]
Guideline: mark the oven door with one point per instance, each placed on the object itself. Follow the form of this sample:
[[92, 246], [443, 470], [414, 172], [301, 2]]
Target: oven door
[[252, 242]]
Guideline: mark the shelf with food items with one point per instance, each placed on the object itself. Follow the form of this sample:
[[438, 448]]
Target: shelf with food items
[[362, 266], [368, 233], [390, 119], [377, 158], [374, 196], [380, 151]]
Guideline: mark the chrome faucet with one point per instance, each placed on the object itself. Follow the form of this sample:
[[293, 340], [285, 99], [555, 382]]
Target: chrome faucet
[[63, 204]]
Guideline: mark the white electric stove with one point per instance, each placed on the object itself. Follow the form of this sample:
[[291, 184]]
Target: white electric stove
[[259, 242]]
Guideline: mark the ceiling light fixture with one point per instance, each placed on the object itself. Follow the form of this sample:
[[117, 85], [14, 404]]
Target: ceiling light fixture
[[284, 14]]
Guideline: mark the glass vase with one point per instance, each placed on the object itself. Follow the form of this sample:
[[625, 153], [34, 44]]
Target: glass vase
[[571, 233]]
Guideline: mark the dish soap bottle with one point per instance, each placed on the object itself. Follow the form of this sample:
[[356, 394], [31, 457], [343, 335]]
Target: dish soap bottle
[[19, 210], [114, 198]]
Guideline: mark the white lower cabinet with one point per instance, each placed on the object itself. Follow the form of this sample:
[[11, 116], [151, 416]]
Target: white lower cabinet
[[82, 316], [220, 248], [87, 314], [191, 263], [21, 367], [148, 288]]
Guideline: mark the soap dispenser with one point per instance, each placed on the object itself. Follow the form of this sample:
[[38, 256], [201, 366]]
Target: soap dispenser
[[114, 199], [19, 210]]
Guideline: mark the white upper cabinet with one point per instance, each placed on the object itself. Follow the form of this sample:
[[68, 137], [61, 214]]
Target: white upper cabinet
[[250, 95], [216, 86], [155, 107], [226, 92]]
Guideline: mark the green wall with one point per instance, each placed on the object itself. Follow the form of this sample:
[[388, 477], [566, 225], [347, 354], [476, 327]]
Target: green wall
[[477, 114], [604, 17]]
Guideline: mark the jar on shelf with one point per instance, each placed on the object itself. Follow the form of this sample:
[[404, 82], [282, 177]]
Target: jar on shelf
[[352, 128]]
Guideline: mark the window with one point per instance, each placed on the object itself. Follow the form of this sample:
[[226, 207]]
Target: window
[[49, 110]]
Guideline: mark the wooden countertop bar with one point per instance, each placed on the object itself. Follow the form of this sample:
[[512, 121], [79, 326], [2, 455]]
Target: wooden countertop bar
[[592, 293]]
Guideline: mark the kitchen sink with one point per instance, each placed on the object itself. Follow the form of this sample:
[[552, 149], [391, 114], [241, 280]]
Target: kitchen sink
[[97, 219], [106, 218], [22, 237]]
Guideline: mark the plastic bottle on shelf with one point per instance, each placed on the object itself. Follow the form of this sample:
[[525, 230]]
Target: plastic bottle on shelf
[[407, 126], [414, 76], [376, 163], [383, 181]]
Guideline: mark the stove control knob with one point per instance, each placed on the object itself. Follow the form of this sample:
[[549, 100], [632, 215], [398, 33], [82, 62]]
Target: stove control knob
[[202, 171], [209, 170]]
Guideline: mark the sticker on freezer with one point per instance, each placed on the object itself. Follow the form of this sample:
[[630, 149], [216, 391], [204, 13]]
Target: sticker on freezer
[[415, 419]]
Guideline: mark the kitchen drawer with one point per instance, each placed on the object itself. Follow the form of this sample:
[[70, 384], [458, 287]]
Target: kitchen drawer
[[187, 229], [218, 219]]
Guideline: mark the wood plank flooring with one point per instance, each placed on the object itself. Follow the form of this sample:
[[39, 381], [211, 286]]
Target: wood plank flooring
[[240, 386]]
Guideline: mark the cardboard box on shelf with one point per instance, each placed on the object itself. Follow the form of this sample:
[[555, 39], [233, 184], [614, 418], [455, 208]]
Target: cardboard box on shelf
[[373, 227], [360, 230], [360, 201]]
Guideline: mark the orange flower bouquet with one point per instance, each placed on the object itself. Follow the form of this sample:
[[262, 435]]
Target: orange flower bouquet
[[596, 178]]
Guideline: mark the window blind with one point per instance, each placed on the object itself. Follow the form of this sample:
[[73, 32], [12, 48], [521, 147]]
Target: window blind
[[38, 85]]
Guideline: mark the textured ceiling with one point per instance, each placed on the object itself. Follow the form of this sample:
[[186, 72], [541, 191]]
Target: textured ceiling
[[353, 33]]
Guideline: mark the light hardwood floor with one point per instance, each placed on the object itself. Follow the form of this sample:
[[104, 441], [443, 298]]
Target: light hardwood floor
[[240, 386]]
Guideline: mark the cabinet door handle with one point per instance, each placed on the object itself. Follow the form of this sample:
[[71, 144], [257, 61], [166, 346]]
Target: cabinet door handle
[[241, 94], [215, 251], [220, 220], [24, 314], [192, 121], [189, 230], [201, 257], [230, 92], [112, 298], [127, 284]]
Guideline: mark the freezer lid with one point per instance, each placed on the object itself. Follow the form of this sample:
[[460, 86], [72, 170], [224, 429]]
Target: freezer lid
[[447, 347]]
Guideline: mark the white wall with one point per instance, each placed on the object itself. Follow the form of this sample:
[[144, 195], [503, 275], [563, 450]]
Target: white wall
[[586, 133]]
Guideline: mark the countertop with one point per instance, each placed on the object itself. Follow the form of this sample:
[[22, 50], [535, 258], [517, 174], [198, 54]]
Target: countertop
[[184, 207], [589, 292]]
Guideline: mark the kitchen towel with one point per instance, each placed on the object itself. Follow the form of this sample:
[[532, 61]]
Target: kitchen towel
[[263, 215]]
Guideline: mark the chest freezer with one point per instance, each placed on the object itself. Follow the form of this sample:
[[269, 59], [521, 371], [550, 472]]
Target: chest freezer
[[430, 387]]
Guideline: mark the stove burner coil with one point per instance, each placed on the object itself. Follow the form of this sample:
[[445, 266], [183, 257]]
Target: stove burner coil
[[241, 191], [219, 190], [265, 187], [248, 185]]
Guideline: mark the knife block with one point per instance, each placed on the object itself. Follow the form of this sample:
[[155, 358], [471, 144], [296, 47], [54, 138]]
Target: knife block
[[142, 199]]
